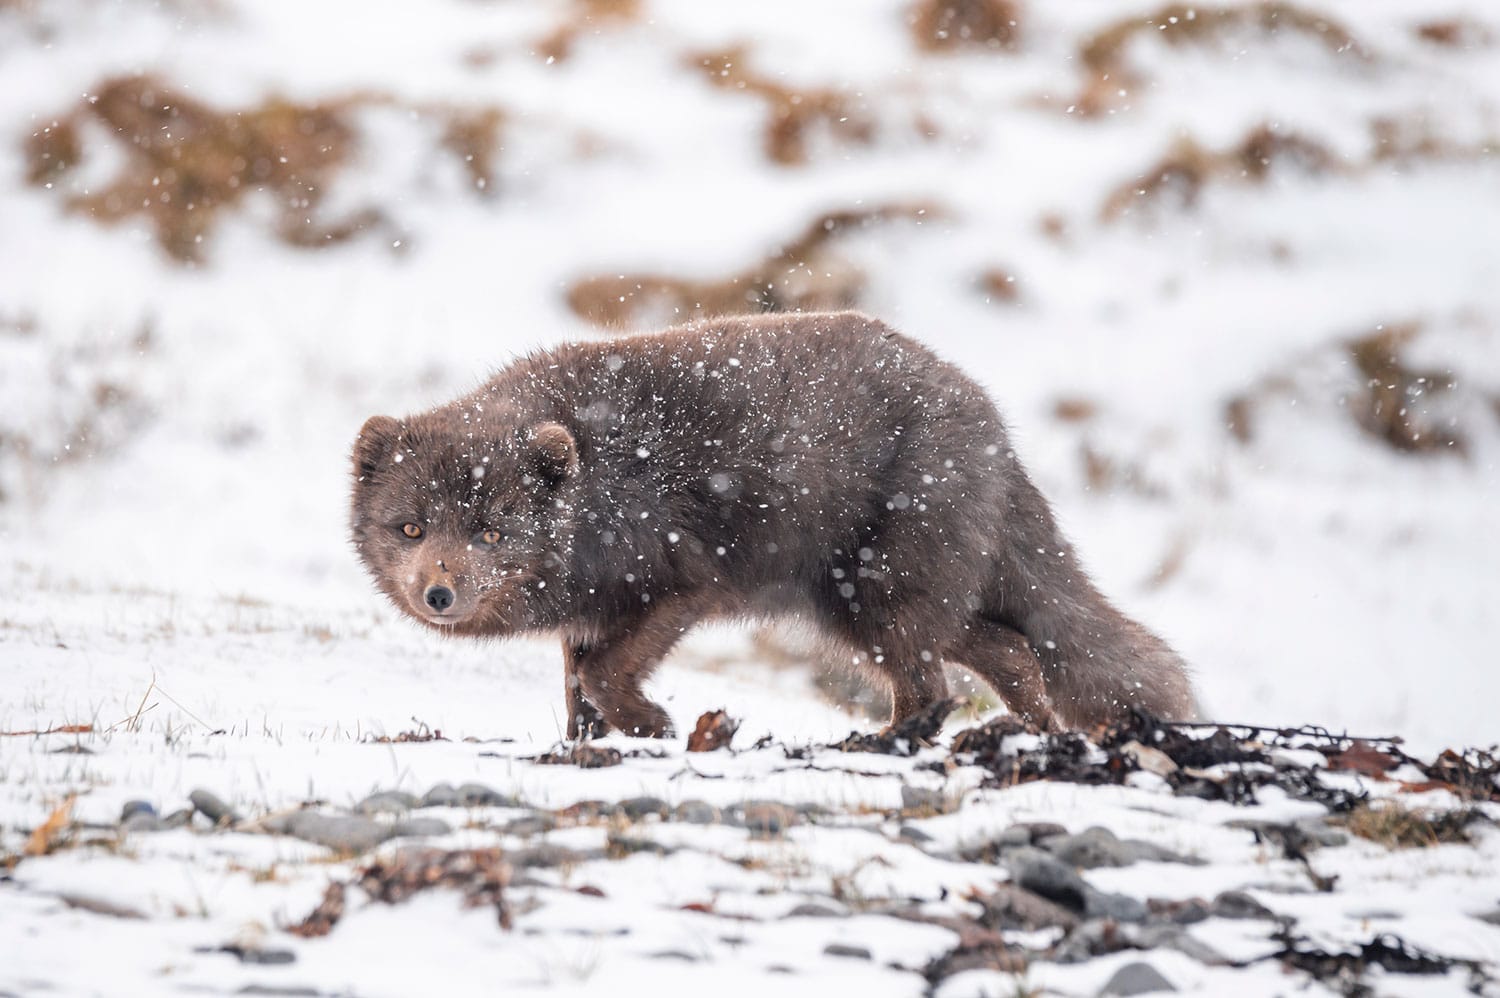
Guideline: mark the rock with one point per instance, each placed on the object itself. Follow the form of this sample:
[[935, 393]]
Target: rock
[[99, 906], [674, 954], [442, 795], [252, 954], [420, 826], [530, 824], [923, 799], [181, 818], [1238, 904], [1042, 873], [1175, 937], [811, 909], [768, 818], [636, 808], [388, 802], [912, 834], [479, 795], [1188, 911], [1096, 847], [143, 821], [697, 812], [134, 807], [845, 950], [547, 855], [341, 832], [212, 808], [1136, 979], [1014, 907], [1117, 907]]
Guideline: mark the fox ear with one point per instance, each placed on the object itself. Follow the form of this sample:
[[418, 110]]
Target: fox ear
[[376, 438], [555, 452]]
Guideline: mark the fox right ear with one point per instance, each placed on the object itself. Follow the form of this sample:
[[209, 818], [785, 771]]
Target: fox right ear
[[376, 438]]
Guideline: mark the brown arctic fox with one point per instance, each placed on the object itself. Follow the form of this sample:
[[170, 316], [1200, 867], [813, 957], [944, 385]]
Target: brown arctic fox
[[820, 466]]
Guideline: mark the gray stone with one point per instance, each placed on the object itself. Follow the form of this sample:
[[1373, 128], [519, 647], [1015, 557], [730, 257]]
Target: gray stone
[[1175, 937], [1118, 907], [530, 824], [388, 802], [1042, 873], [811, 909], [1491, 917], [1136, 979], [479, 795], [442, 795], [1014, 907], [768, 818], [845, 950], [698, 812], [134, 807], [143, 821], [181, 818], [547, 855], [636, 808], [1095, 847], [212, 808], [420, 826], [913, 834], [342, 832], [1238, 904], [922, 799]]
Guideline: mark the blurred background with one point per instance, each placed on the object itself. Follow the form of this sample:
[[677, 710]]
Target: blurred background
[[1232, 272]]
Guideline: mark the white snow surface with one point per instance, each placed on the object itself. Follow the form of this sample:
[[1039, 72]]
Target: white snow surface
[[175, 564]]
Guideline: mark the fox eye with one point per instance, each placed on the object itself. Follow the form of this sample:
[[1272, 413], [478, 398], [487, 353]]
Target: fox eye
[[490, 536], [411, 530]]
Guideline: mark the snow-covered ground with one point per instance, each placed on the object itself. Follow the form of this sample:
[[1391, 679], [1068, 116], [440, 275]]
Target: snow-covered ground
[[1168, 250]]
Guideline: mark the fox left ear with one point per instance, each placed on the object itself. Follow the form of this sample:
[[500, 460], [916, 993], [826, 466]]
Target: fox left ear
[[376, 438], [555, 452]]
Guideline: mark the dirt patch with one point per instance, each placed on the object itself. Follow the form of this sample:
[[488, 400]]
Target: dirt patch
[[797, 118], [1105, 57], [954, 25], [186, 164], [804, 274], [1180, 177]]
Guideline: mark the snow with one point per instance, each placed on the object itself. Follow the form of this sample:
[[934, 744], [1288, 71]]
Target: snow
[[181, 568]]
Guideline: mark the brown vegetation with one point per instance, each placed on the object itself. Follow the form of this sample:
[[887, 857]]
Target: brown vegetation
[[1454, 32], [804, 274], [952, 25], [1182, 174], [586, 17], [186, 163], [1105, 55], [1396, 826], [795, 118], [998, 284], [1392, 402]]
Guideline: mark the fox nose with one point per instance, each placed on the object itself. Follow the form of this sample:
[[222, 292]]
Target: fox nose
[[440, 598]]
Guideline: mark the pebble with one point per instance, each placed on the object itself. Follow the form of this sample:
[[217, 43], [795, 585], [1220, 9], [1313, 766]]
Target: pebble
[[1238, 904], [181, 818], [134, 807], [1136, 979], [767, 818], [1119, 907], [923, 799], [388, 802], [479, 795], [212, 808], [811, 909], [1095, 847], [420, 826], [1043, 873], [530, 824], [912, 834], [343, 832], [698, 812], [143, 821], [845, 950], [636, 808], [1014, 907], [442, 795]]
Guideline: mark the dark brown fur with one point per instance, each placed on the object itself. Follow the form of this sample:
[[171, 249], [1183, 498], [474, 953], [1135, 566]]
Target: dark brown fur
[[820, 466]]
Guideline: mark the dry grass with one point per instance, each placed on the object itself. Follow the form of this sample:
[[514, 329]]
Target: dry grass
[[954, 25], [1391, 405], [1105, 55], [186, 164], [999, 285], [586, 17], [804, 274], [796, 119], [1454, 32], [1395, 826], [1181, 176]]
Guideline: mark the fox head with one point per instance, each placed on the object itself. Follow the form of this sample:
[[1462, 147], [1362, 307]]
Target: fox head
[[458, 524]]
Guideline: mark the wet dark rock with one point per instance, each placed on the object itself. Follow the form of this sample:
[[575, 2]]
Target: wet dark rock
[[1238, 904], [846, 950], [420, 826], [1136, 979], [442, 795], [906, 738], [1099, 847], [134, 807], [697, 812], [388, 802], [636, 808], [1014, 907], [340, 832], [212, 807], [479, 795], [811, 909], [768, 818], [1042, 873]]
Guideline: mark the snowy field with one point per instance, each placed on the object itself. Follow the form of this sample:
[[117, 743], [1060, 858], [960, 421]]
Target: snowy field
[[1231, 272]]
